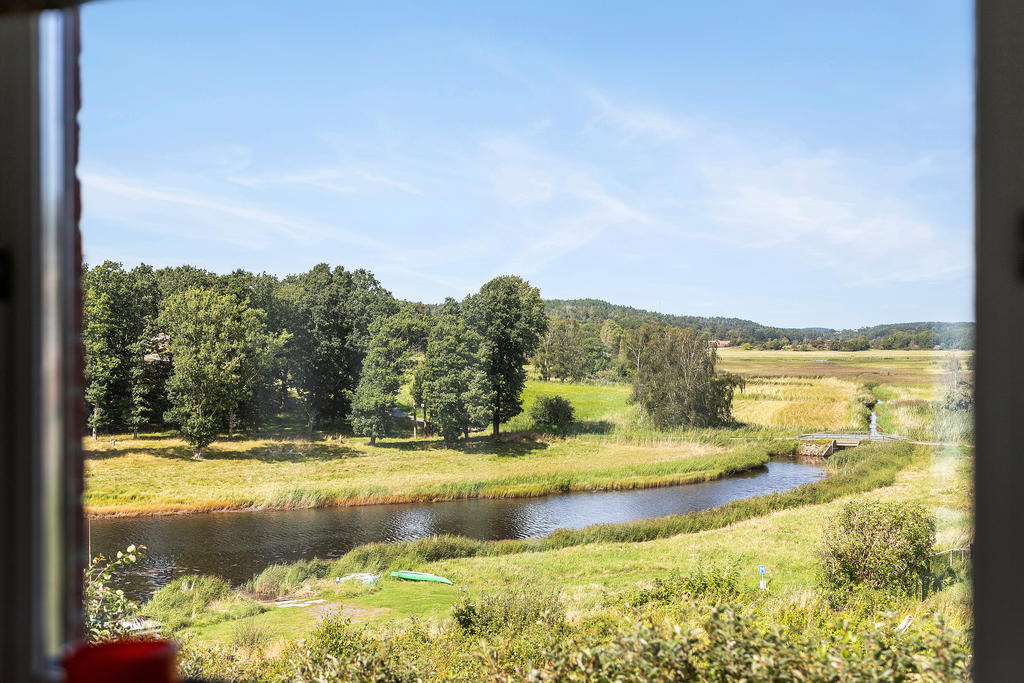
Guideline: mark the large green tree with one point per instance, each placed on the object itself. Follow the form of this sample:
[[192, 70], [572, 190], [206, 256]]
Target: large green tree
[[329, 315], [106, 337], [456, 385], [677, 383], [561, 351], [387, 361], [119, 308], [508, 314], [214, 342], [148, 370]]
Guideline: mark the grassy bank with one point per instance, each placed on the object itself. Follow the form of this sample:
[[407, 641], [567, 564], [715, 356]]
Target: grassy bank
[[138, 477], [595, 578], [860, 470], [855, 471]]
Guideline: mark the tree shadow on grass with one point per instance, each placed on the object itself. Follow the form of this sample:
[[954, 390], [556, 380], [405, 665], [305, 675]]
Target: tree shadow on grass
[[506, 445], [169, 452], [287, 451], [590, 427]]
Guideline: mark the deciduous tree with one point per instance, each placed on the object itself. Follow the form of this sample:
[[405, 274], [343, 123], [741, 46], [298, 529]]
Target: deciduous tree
[[508, 314], [214, 342], [388, 359], [677, 384], [330, 315], [456, 385]]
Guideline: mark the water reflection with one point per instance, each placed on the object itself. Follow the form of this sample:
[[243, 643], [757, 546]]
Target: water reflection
[[239, 544]]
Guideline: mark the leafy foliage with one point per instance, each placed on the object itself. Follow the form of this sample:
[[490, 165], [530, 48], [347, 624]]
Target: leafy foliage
[[329, 316], [508, 612], [676, 383], [119, 308], [562, 351], [106, 608], [731, 647], [552, 411], [508, 315], [720, 643], [708, 582], [880, 546], [455, 376], [388, 358], [218, 346]]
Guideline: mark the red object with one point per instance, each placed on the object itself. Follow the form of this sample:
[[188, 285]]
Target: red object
[[122, 661]]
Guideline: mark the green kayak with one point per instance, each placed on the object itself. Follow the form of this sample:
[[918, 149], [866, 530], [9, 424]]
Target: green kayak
[[420, 576]]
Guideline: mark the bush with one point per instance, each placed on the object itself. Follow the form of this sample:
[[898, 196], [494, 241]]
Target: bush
[[552, 411], [709, 582], [735, 647], [510, 612], [335, 636], [881, 546]]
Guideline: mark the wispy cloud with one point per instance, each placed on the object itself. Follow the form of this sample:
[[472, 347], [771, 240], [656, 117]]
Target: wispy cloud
[[639, 121], [331, 180], [220, 218], [839, 212]]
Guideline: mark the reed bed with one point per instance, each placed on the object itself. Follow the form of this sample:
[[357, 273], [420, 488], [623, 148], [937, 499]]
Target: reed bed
[[136, 478]]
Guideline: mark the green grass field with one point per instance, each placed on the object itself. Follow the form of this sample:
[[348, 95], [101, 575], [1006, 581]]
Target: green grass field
[[609, 447], [151, 477]]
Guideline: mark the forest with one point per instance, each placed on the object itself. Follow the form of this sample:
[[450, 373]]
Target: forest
[[593, 314], [206, 354]]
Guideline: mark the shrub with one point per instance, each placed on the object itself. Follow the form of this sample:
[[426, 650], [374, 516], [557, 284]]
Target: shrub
[[107, 608], [709, 582], [335, 636], [246, 634], [552, 411], [880, 546], [178, 603], [734, 647], [509, 612]]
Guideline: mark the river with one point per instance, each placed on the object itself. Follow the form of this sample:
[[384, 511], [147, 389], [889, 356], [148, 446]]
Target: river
[[237, 545]]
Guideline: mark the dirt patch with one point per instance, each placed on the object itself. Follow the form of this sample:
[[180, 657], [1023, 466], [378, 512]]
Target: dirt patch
[[353, 612]]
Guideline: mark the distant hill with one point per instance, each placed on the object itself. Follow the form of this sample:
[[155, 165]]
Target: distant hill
[[739, 331]]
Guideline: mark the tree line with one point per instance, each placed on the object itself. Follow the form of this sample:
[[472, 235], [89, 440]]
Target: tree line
[[204, 353], [593, 313]]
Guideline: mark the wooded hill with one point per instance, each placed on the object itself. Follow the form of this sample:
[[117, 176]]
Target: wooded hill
[[957, 335]]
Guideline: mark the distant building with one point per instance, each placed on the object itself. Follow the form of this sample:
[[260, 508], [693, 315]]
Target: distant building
[[720, 343], [162, 344]]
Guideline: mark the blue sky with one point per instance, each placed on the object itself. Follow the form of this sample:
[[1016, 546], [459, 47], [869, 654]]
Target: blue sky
[[797, 164]]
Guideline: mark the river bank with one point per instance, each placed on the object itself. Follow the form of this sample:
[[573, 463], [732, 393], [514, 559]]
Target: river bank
[[238, 546], [591, 569], [156, 476]]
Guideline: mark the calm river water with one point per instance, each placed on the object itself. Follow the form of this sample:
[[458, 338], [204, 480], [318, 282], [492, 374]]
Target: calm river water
[[236, 545]]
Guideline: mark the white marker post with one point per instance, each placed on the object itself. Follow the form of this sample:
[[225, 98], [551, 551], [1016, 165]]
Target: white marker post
[[762, 570]]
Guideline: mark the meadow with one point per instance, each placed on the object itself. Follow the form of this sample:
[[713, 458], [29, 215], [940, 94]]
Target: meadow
[[609, 447], [590, 586], [595, 579]]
